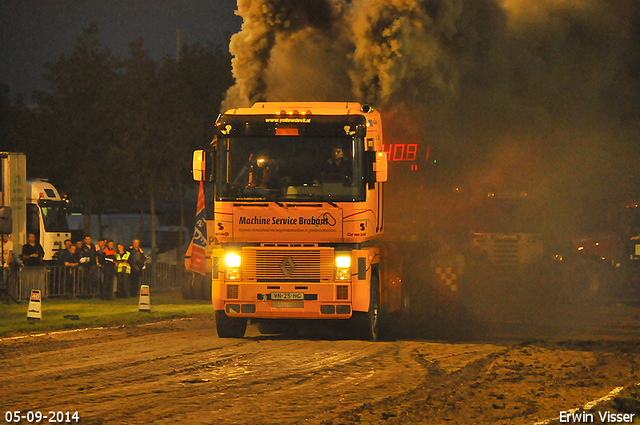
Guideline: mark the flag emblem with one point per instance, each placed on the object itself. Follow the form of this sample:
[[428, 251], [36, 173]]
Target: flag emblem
[[199, 243]]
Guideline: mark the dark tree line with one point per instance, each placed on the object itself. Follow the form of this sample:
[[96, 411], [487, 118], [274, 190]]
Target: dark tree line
[[112, 132]]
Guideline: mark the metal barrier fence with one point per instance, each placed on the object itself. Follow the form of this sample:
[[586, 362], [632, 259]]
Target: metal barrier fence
[[69, 281], [163, 275], [62, 281], [19, 282]]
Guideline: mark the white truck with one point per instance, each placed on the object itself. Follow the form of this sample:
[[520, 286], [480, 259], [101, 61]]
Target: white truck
[[36, 206]]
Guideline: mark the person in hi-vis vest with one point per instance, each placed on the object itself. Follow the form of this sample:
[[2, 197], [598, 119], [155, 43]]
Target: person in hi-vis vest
[[123, 273]]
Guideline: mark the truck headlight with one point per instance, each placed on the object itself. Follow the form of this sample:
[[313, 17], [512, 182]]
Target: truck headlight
[[233, 262], [343, 267]]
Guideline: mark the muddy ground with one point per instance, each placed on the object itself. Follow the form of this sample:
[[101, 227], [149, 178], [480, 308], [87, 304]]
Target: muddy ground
[[179, 371]]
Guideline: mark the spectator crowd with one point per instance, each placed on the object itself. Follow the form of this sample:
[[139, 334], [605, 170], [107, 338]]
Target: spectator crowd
[[107, 269]]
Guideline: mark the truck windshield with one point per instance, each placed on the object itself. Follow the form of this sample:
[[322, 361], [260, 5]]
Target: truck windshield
[[290, 168], [507, 216], [54, 215]]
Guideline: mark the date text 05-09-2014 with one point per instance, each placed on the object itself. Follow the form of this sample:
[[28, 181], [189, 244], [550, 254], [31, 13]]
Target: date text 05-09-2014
[[51, 417]]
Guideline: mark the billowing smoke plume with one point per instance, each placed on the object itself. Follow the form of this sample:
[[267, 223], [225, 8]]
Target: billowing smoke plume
[[274, 35], [404, 50], [557, 79]]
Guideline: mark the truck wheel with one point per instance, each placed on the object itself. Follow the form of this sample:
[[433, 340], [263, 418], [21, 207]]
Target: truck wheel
[[230, 327], [366, 324]]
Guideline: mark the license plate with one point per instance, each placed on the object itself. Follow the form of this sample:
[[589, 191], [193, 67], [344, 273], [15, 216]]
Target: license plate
[[287, 295]]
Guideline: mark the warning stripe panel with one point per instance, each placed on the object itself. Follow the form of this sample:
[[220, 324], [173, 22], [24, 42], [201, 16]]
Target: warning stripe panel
[[449, 276]]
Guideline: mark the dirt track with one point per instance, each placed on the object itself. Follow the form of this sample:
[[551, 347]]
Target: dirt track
[[181, 372]]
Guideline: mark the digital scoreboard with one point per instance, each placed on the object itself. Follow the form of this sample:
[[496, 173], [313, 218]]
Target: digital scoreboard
[[408, 152]]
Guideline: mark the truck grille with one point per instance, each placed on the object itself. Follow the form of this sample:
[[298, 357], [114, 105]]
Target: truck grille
[[509, 252], [276, 264], [506, 254]]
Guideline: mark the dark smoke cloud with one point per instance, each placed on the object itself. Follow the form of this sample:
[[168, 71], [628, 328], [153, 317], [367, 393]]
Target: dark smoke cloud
[[270, 33], [481, 56], [403, 50], [537, 94]]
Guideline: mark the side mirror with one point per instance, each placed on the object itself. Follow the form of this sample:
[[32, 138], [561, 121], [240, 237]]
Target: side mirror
[[375, 167], [380, 167], [199, 165], [369, 172]]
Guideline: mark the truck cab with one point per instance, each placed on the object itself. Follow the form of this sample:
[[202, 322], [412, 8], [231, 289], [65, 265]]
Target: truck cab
[[297, 210], [46, 217], [36, 206]]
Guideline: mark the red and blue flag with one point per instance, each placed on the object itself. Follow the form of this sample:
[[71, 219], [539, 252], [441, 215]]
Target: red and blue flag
[[199, 244]]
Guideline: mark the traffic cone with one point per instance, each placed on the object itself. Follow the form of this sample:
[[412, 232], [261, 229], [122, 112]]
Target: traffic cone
[[35, 306], [144, 303]]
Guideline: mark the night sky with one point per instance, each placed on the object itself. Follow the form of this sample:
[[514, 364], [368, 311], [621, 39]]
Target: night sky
[[33, 32]]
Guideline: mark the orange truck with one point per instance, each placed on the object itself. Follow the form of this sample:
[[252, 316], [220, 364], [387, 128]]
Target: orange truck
[[298, 212]]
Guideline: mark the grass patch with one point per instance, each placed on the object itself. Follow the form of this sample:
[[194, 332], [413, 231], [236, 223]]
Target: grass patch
[[96, 312]]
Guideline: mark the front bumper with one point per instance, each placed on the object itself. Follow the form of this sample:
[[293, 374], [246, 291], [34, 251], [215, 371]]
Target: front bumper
[[285, 300]]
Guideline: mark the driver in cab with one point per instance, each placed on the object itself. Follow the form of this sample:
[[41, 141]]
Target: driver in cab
[[339, 169]]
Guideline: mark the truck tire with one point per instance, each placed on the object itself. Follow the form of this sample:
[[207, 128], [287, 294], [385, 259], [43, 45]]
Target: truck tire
[[230, 327], [366, 325]]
